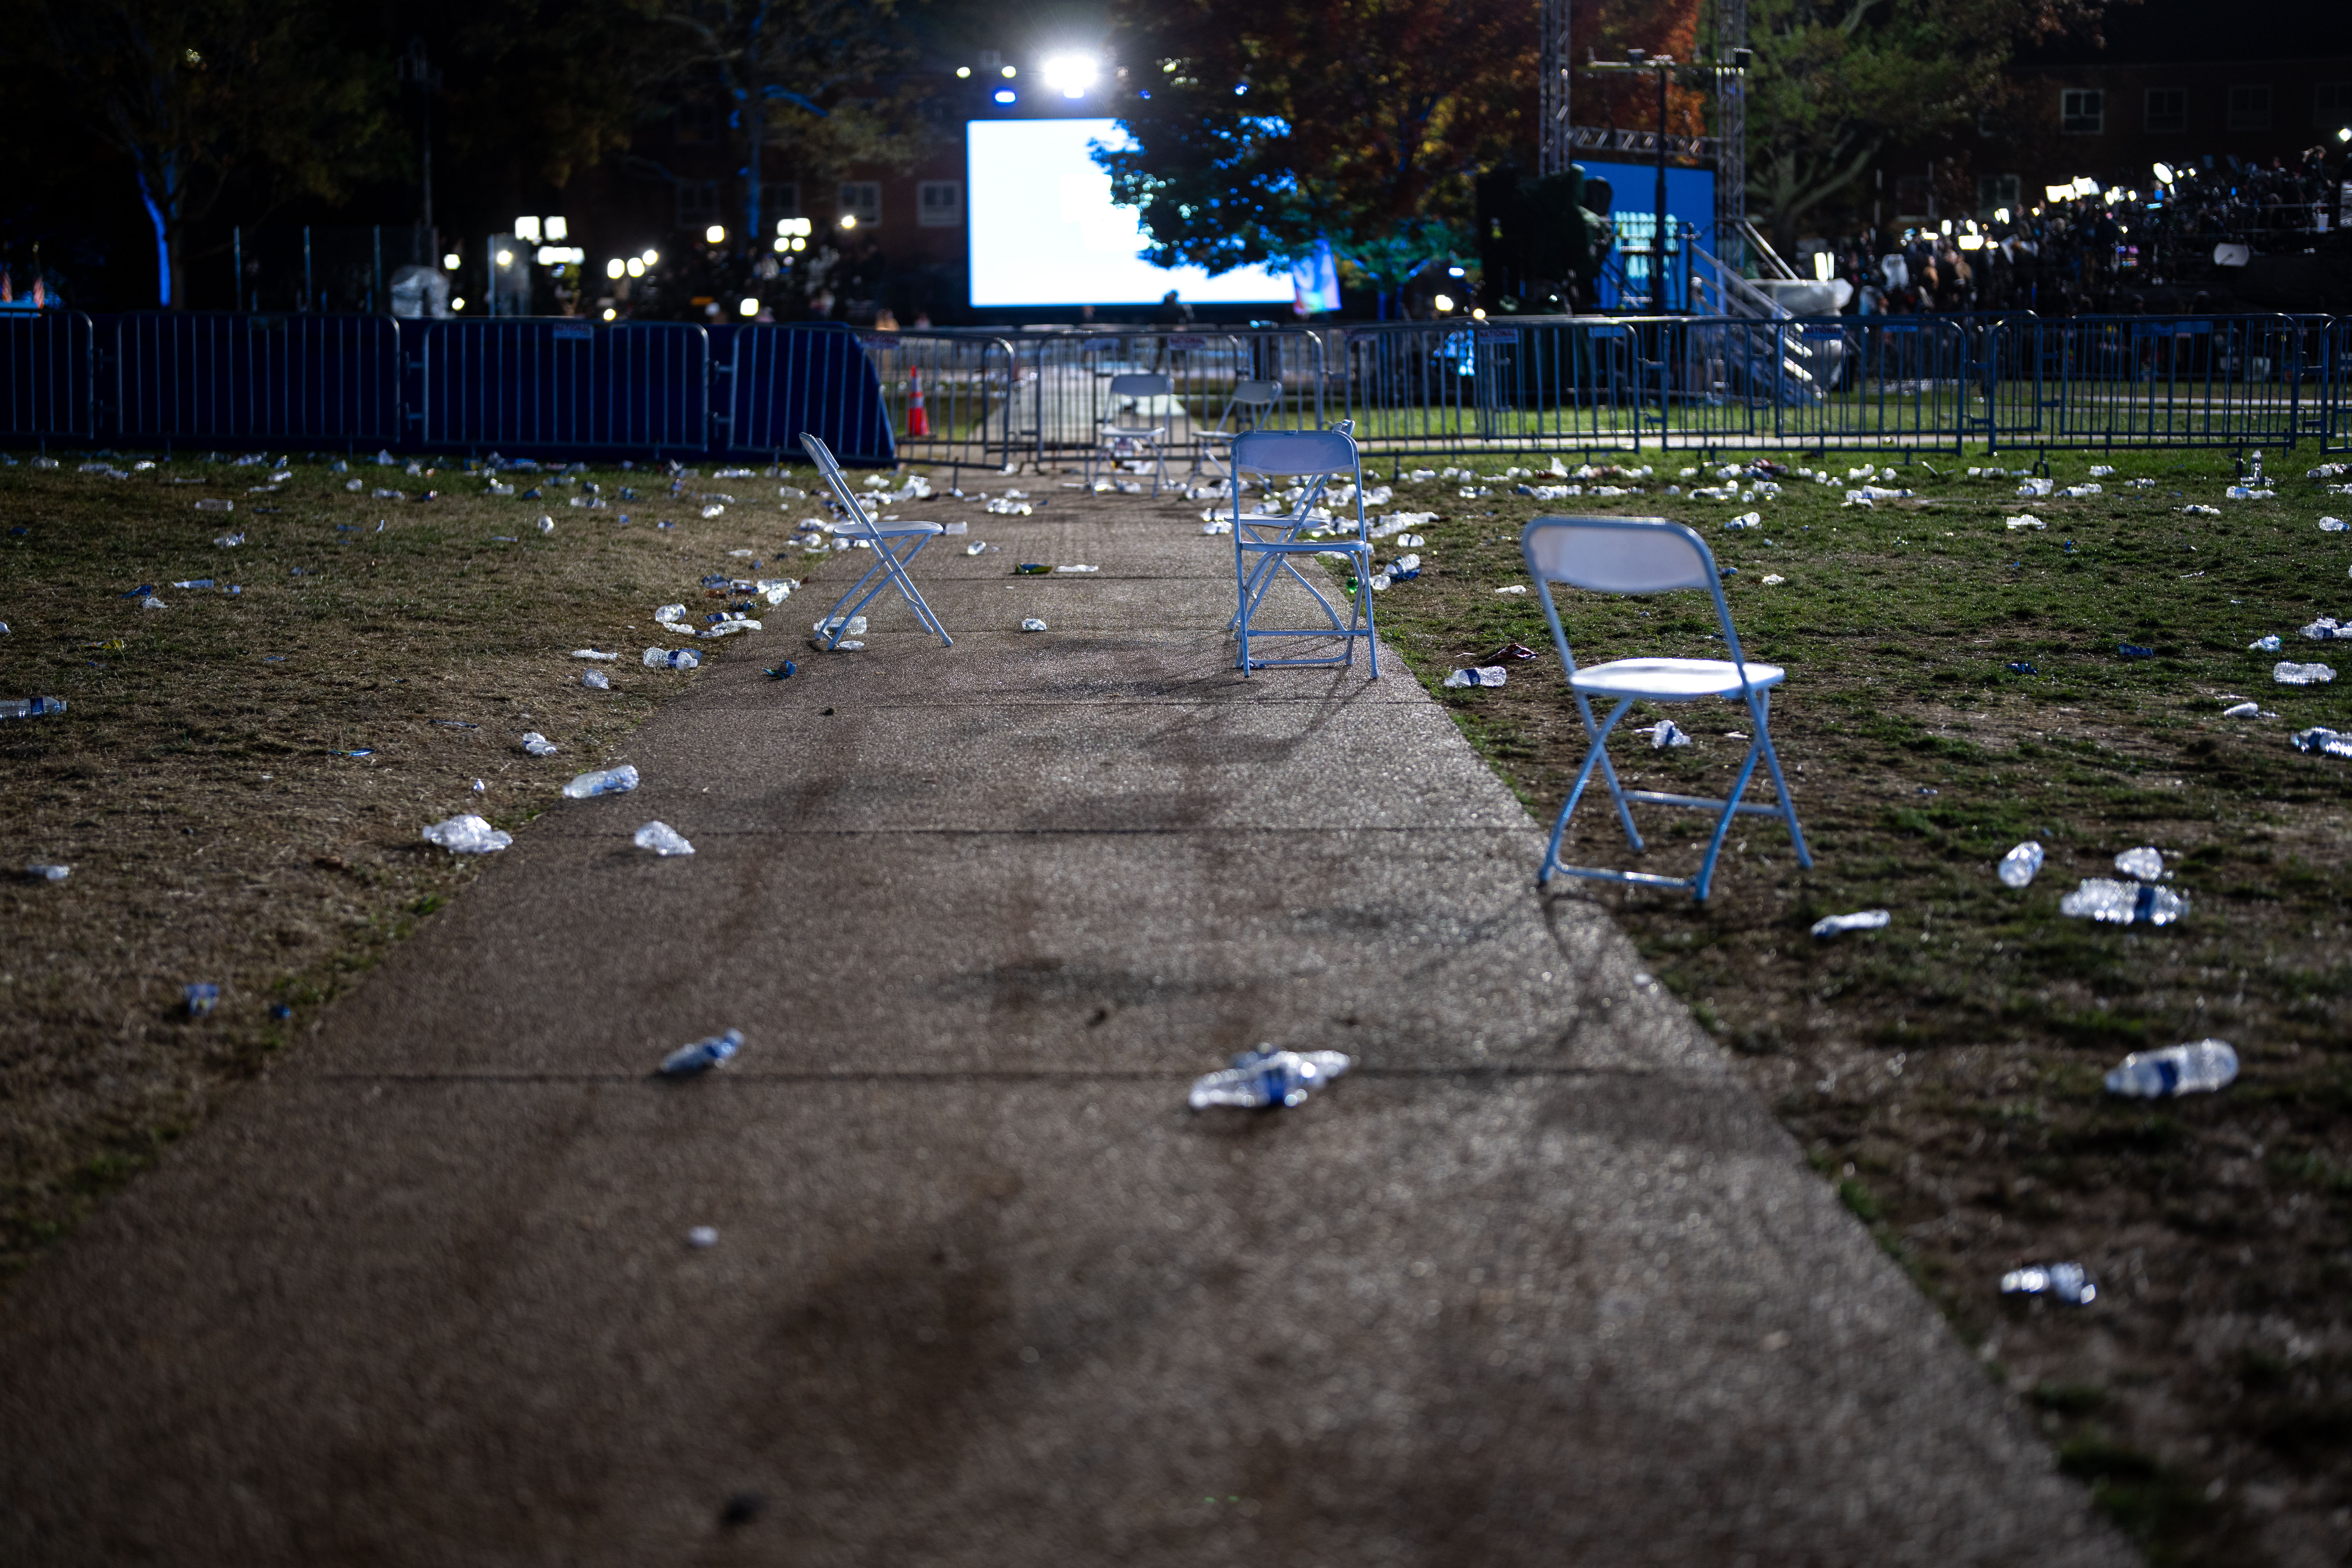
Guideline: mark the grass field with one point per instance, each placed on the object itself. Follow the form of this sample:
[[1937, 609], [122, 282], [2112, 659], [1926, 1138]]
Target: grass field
[[1946, 1072], [202, 782]]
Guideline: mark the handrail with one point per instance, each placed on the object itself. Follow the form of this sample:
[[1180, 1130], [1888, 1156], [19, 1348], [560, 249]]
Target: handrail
[[1732, 286], [1771, 257]]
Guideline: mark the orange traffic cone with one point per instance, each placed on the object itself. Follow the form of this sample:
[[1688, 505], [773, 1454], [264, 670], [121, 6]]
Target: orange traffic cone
[[918, 422]]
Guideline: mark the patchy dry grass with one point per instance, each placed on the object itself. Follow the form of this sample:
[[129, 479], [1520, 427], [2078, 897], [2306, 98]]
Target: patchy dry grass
[[201, 783], [1947, 1071]]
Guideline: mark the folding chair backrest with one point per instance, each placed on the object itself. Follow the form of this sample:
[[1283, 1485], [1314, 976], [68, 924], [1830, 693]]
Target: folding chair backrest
[[1295, 452], [828, 468], [1139, 384], [1619, 554], [1256, 397]]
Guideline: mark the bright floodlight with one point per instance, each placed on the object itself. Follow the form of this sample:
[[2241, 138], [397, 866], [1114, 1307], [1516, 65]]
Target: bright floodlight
[[450, 261], [784, 245], [527, 228], [637, 267], [2164, 173], [557, 230], [615, 268], [649, 257], [2345, 134], [749, 307], [849, 220], [610, 312], [1824, 264], [1009, 73], [1071, 74], [1006, 95], [2001, 214], [716, 234], [1443, 301], [506, 258], [456, 304], [963, 73]]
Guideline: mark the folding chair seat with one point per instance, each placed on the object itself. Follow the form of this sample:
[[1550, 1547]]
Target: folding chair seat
[[1652, 556], [1132, 433], [1252, 404], [1272, 539], [894, 545]]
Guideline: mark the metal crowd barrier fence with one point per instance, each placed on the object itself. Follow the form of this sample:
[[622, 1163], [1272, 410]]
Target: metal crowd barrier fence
[[2146, 381], [183, 375], [994, 399], [48, 376], [782, 381], [638, 386]]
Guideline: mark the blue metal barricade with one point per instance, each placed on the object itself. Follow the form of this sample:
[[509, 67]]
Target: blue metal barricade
[[782, 381], [566, 386], [2147, 381], [217, 378], [48, 376]]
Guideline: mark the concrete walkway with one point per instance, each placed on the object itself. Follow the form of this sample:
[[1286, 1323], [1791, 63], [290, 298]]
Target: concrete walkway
[[1540, 1283]]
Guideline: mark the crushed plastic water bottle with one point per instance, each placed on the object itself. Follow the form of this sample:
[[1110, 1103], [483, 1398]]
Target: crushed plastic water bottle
[[30, 706], [467, 835], [213, 504], [2065, 1281], [2198, 1068], [595, 679], [1861, 920], [853, 626], [2022, 865], [1746, 520], [48, 871], [2242, 710], [1032, 624], [1484, 675], [703, 1054], [597, 654], [2264, 645], [2324, 741], [2123, 903], [663, 840], [537, 744], [2024, 520], [201, 997], [2286, 672], [1266, 1078], [1666, 732], [665, 658], [2145, 864], [604, 781]]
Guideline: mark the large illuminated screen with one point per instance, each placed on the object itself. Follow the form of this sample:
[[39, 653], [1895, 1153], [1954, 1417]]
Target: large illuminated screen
[[1044, 231]]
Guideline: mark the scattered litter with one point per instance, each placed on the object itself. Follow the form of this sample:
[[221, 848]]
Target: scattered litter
[[702, 1236], [200, 998], [2023, 521], [664, 658], [1031, 569], [1485, 675], [2016, 668], [1861, 920], [2198, 1068], [30, 706], [2287, 673], [1511, 653], [663, 840], [47, 870], [467, 835], [703, 1054], [2145, 864], [2064, 1282], [1077, 569], [595, 679], [1267, 1078], [1746, 520], [1033, 624], [714, 511], [2242, 710], [604, 781], [1666, 732], [2021, 865], [784, 674], [211, 504], [2324, 741], [2325, 629], [481, 788], [2134, 650], [1514, 589], [229, 541], [537, 744], [2200, 511], [363, 751], [599, 655], [2123, 903], [2333, 525], [546, 525], [2264, 645], [2247, 492], [1774, 580]]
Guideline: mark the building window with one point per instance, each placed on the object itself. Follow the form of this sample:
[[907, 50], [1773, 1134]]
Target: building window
[[2082, 111], [697, 204], [784, 198], [2331, 106], [2249, 109], [1995, 192], [695, 124], [862, 199], [2168, 109], [938, 204]]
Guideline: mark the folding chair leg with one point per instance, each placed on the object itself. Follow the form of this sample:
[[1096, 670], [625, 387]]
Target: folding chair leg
[[1723, 825], [1609, 771], [1598, 754], [1761, 708]]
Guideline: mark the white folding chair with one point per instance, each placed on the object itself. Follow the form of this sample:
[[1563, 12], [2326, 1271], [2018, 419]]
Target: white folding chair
[[889, 568], [1652, 556], [1251, 405], [1129, 433], [1274, 539]]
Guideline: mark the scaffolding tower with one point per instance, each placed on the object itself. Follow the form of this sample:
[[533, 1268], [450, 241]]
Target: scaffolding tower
[[1730, 134]]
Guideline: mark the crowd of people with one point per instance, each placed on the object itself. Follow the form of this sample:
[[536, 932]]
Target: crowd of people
[[2097, 250]]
